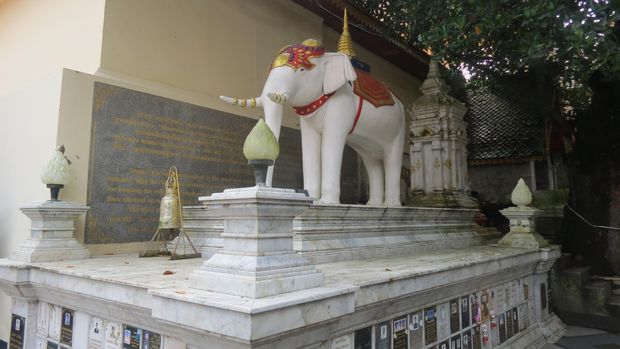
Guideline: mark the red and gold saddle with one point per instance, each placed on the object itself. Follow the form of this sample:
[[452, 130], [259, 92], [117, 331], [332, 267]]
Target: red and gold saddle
[[372, 90]]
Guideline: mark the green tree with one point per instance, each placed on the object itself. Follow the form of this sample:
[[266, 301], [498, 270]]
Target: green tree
[[561, 42]]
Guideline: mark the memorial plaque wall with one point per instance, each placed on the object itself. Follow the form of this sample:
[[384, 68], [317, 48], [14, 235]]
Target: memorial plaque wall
[[136, 137]]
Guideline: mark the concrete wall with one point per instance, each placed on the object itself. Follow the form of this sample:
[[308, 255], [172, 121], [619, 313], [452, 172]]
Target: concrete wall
[[39, 37], [494, 183]]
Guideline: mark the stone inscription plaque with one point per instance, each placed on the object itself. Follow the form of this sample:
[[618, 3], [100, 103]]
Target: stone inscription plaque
[[136, 137]]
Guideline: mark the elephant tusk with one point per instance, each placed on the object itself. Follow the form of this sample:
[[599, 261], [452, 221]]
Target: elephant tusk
[[243, 103], [279, 98]]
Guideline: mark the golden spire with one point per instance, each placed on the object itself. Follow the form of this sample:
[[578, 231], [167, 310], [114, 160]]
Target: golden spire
[[345, 45]]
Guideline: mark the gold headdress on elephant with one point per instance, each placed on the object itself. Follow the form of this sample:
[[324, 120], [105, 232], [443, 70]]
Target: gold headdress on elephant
[[298, 55]]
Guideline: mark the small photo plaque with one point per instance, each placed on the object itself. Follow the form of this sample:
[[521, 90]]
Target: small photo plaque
[[96, 333], [132, 337], [113, 336], [66, 327], [54, 322], [43, 318], [151, 340], [383, 335], [430, 325], [18, 329]]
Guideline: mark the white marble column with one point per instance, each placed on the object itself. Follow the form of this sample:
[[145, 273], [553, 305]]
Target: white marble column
[[51, 233], [257, 258]]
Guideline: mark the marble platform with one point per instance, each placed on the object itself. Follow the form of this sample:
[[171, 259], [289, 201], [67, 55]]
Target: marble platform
[[326, 233], [155, 294]]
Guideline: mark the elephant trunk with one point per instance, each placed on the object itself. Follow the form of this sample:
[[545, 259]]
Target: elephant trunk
[[279, 98]]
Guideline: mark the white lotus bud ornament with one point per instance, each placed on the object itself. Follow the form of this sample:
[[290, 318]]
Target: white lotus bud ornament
[[56, 173], [521, 195]]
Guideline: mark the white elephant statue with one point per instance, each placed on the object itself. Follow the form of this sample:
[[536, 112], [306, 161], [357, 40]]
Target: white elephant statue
[[320, 87]]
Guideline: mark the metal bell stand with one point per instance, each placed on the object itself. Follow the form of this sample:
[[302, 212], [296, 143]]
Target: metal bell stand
[[163, 234]]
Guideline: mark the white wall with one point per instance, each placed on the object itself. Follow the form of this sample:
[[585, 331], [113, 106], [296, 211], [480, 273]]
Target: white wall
[[39, 37], [27, 140]]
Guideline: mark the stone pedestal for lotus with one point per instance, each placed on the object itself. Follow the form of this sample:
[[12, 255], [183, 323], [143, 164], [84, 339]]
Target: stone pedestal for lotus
[[257, 257], [522, 220], [51, 233]]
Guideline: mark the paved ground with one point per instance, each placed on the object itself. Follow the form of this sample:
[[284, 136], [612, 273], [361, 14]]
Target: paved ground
[[586, 338]]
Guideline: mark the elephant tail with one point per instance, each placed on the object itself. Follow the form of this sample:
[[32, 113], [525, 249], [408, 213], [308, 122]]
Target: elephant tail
[[243, 103]]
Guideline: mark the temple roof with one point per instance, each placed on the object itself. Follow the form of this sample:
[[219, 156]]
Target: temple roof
[[502, 127]]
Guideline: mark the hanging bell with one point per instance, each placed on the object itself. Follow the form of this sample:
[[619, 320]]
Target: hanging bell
[[169, 213]]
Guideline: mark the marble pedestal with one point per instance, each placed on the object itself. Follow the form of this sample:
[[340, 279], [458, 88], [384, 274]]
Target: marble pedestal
[[257, 257], [51, 233], [522, 228]]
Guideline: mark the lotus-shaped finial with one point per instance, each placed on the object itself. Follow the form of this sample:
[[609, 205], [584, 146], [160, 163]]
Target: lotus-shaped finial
[[521, 195]]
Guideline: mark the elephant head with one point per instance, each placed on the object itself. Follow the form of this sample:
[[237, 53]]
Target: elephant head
[[299, 75]]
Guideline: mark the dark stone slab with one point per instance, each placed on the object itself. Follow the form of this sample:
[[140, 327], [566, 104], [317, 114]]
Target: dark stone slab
[[135, 139]]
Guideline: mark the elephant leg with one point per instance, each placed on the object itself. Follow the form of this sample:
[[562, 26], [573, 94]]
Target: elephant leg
[[374, 168], [392, 164], [311, 152], [331, 159]]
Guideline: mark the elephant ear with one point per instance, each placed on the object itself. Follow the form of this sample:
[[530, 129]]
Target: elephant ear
[[338, 71]]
